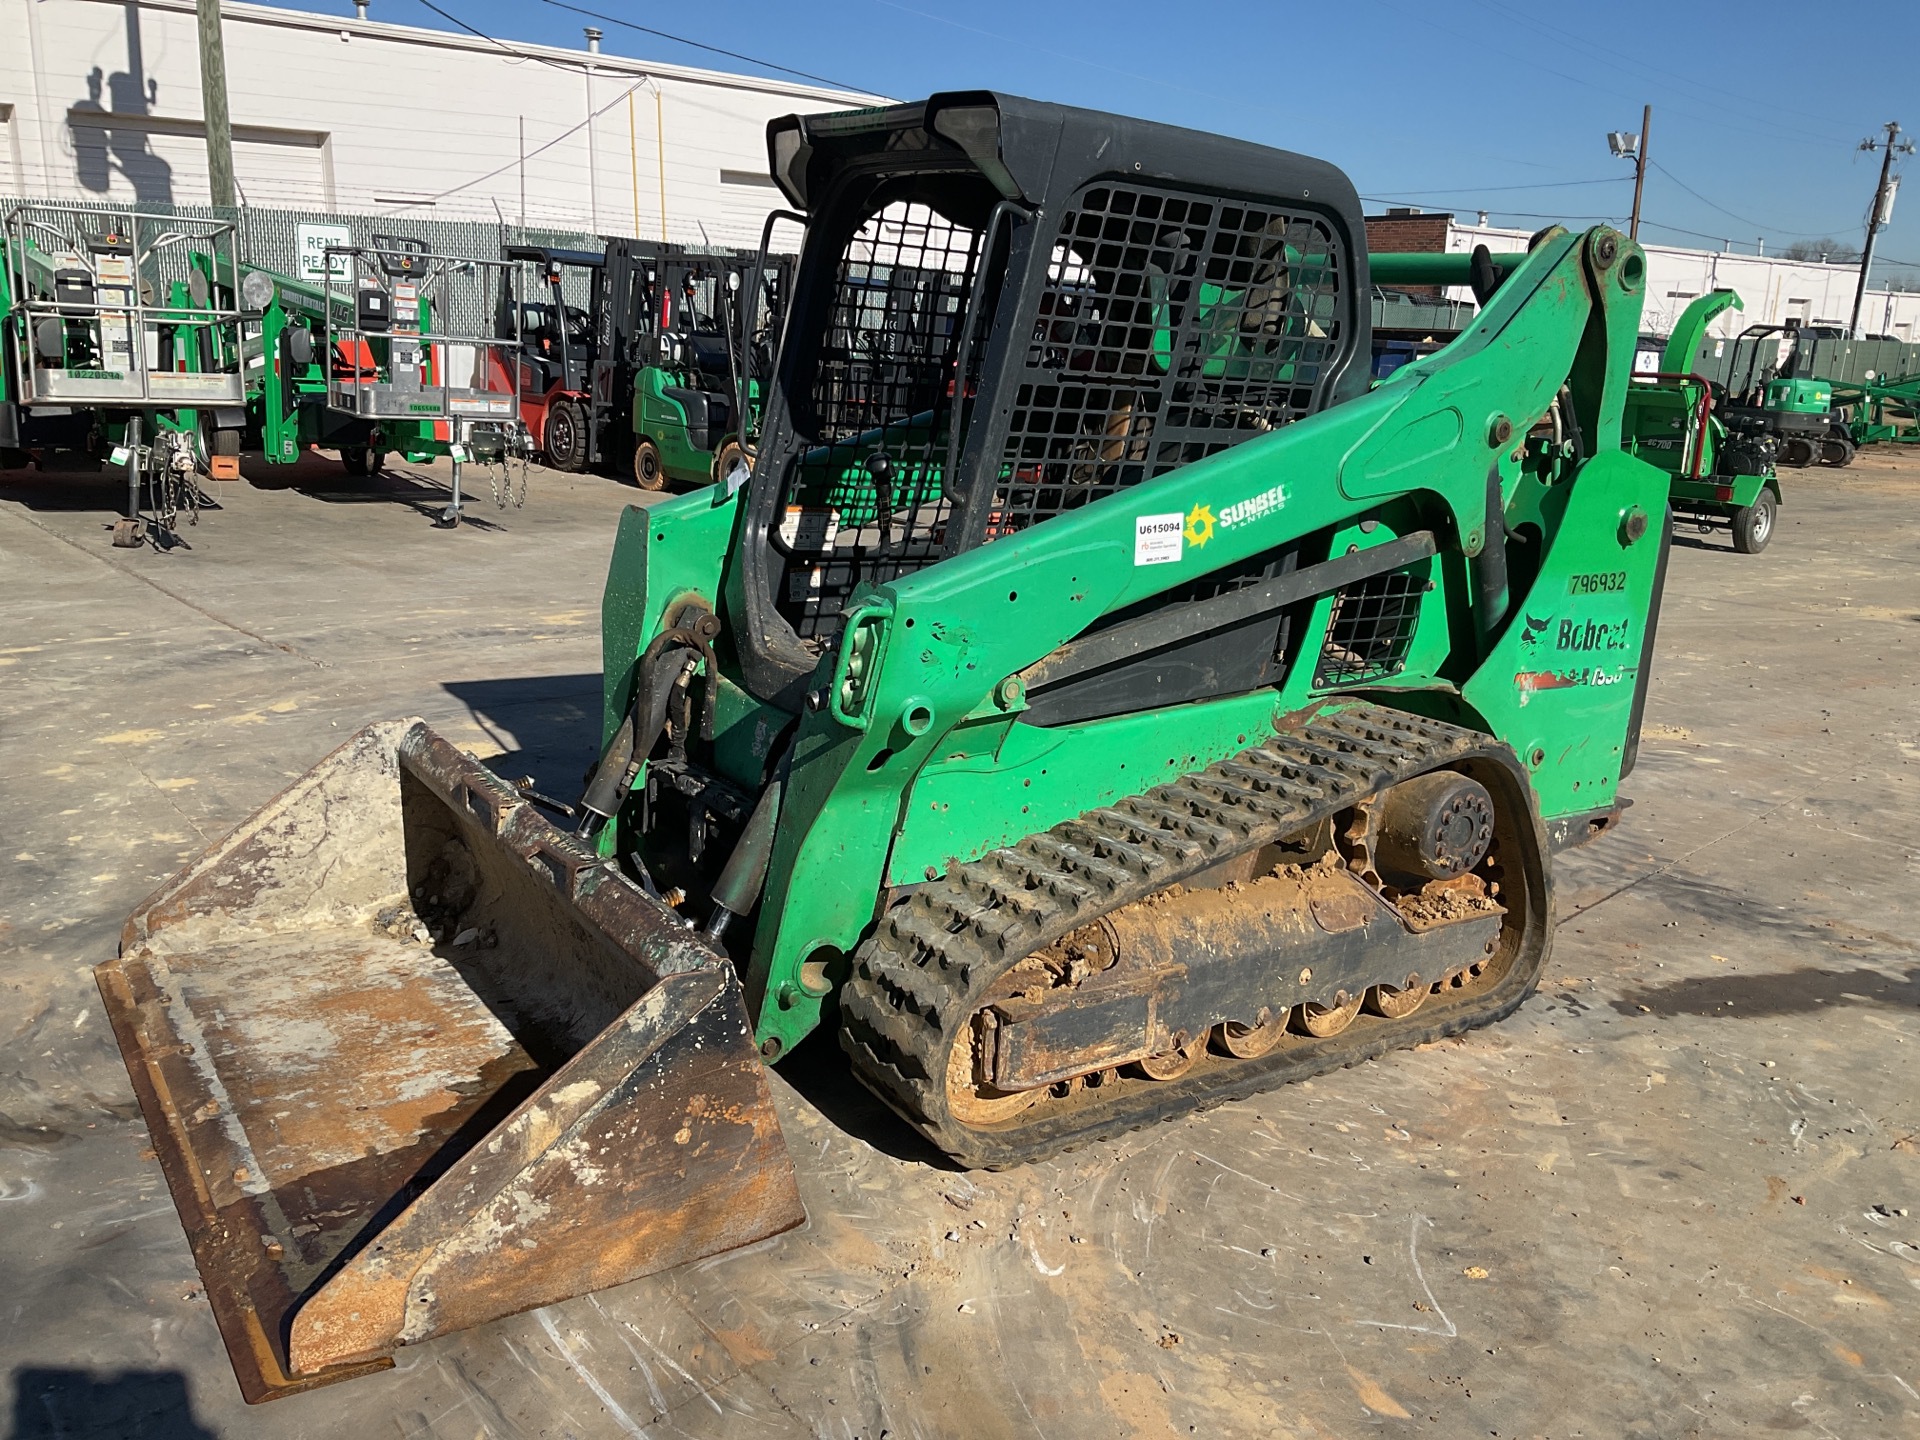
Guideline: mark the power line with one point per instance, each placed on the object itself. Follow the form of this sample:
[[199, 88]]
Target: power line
[[699, 45], [1770, 109], [1536, 185], [453, 19], [643, 81], [1758, 225]]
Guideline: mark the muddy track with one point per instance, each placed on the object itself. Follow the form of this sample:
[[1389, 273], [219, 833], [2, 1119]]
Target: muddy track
[[935, 959]]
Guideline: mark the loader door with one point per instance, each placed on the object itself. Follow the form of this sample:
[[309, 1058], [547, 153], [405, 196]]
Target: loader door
[[867, 498]]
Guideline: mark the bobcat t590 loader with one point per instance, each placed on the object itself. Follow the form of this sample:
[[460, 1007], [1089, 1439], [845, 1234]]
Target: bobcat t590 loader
[[1096, 702]]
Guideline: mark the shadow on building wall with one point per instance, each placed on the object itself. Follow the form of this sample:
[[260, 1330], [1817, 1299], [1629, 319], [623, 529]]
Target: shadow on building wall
[[108, 138]]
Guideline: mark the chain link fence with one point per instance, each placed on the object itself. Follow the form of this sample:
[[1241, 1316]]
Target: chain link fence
[[273, 239]]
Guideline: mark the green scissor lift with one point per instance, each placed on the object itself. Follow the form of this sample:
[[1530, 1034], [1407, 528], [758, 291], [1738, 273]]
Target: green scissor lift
[[117, 341], [362, 361]]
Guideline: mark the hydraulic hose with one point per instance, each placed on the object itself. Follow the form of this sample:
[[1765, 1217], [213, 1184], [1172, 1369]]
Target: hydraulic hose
[[632, 741]]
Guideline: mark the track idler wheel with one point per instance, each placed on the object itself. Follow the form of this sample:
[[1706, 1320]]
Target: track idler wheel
[[972, 1101], [1170, 1064]]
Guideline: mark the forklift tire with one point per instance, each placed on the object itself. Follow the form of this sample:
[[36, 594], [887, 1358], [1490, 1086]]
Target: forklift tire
[[648, 472], [1796, 451], [1836, 452], [725, 458], [1753, 524], [565, 438]]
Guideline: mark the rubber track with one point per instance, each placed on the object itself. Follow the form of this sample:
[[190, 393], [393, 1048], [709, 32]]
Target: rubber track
[[934, 958]]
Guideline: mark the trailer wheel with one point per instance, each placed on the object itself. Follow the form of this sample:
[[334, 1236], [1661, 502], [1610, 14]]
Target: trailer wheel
[[1753, 524], [354, 458], [565, 438], [648, 472]]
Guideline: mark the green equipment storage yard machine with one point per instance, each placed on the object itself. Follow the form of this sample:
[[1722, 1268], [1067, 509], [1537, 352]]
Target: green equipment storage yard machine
[[117, 341], [1881, 411], [1721, 478], [393, 348], [648, 376], [1098, 701]]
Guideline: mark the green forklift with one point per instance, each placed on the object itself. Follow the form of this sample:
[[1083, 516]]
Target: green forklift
[[652, 368], [1721, 477]]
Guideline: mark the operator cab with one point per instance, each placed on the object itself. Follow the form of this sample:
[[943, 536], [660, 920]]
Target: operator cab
[[1005, 310]]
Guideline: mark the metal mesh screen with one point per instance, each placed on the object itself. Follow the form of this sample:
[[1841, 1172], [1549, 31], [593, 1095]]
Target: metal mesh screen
[[868, 503], [1172, 326], [1370, 628]]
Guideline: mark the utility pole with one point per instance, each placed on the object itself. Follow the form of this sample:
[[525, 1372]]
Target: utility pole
[[1627, 146], [213, 105], [1882, 210], [593, 175], [1640, 170]]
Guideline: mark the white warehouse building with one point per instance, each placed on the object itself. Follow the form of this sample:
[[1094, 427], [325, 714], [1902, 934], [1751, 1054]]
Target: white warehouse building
[[1775, 290], [100, 100]]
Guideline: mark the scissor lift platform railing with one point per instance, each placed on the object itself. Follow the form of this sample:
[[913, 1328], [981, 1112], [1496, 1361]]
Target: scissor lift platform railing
[[453, 369], [106, 308]]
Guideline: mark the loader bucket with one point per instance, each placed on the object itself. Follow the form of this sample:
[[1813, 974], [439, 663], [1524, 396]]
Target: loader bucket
[[414, 1059]]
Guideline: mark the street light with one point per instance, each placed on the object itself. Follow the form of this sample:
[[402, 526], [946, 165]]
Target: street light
[[1626, 145]]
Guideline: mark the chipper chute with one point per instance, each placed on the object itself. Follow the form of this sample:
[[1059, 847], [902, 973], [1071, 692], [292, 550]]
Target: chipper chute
[[413, 1059]]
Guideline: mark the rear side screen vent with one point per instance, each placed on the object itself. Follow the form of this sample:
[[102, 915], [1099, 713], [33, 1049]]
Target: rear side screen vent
[[1370, 628]]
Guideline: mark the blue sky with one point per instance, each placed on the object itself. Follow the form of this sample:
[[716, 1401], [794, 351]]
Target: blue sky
[[1476, 104]]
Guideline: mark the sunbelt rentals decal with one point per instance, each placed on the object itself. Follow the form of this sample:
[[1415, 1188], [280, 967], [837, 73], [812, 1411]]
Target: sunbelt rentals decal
[[1159, 539]]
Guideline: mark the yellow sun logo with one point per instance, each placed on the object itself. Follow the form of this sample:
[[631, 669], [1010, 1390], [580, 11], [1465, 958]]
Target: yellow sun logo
[[1199, 526]]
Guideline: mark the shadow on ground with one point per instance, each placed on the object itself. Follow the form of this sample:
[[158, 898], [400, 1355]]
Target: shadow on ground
[[1773, 993], [823, 1076], [75, 1404], [547, 726], [328, 482]]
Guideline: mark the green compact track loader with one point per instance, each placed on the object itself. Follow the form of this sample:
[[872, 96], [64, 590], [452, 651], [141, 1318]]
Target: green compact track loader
[[1097, 701]]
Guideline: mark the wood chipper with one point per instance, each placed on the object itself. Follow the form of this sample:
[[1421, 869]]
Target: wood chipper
[[1722, 479], [1097, 701]]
